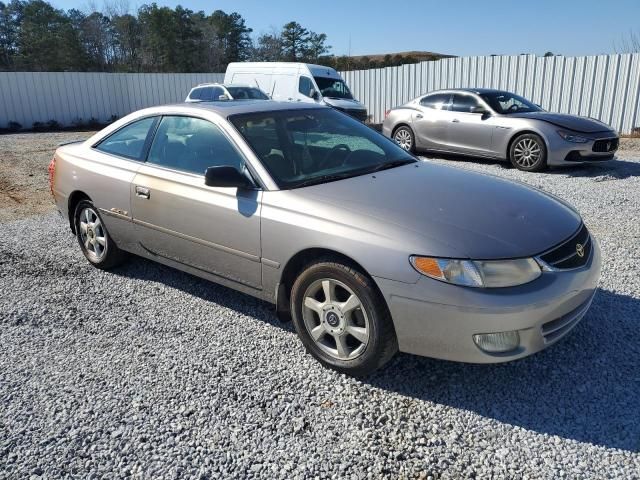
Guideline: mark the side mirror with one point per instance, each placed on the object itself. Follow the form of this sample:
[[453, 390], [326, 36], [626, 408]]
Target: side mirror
[[479, 109], [313, 93], [227, 177], [224, 96]]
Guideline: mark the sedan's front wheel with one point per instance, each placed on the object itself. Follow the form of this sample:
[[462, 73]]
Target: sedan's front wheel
[[404, 137], [341, 318], [528, 153]]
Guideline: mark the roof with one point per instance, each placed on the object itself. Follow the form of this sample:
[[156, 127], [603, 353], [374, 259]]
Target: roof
[[233, 107]]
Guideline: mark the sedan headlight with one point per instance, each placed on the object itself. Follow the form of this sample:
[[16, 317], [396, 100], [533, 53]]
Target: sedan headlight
[[478, 273], [573, 138]]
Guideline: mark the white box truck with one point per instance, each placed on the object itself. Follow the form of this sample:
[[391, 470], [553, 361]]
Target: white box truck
[[297, 82]]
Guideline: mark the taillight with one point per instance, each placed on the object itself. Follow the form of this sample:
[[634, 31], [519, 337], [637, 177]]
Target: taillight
[[386, 114], [52, 174]]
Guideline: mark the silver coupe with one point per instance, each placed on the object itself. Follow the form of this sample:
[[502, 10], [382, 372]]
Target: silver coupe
[[368, 250], [500, 125]]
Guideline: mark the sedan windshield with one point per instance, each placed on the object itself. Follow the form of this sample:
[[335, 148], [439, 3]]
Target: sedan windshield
[[247, 93], [506, 103], [333, 88], [311, 146]]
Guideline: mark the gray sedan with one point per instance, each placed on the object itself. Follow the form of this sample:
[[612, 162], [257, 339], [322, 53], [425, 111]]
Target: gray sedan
[[366, 249], [501, 125]]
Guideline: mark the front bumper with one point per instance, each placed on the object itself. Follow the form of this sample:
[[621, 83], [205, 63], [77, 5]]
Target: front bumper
[[600, 148], [435, 319]]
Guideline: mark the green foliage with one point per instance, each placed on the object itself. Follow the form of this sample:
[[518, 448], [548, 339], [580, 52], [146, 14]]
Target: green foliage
[[14, 126]]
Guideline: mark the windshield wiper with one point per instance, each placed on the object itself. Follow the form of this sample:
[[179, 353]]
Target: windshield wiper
[[391, 164], [324, 179]]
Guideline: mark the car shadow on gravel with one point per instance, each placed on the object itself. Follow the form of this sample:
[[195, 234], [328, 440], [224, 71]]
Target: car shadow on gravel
[[584, 388], [142, 269]]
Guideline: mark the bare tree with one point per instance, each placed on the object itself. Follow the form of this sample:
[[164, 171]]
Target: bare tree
[[629, 43]]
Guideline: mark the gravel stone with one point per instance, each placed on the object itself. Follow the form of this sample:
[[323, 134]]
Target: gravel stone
[[147, 372]]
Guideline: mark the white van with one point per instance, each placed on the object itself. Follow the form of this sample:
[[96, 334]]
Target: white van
[[297, 82]]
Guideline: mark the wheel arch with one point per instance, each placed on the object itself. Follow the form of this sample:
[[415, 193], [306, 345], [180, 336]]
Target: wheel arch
[[75, 198], [525, 131], [297, 263]]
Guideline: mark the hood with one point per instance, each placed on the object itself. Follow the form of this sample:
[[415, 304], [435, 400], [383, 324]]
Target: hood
[[570, 122], [458, 213], [343, 103]]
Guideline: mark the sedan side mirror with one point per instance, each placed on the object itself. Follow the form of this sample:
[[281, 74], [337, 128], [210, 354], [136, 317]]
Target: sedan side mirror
[[224, 97], [227, 177]]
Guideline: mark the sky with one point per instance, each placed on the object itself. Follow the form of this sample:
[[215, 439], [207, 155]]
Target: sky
[[456, 27]]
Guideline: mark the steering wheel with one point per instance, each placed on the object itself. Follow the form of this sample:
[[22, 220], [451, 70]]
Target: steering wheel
[[326, 162], [513, 108]]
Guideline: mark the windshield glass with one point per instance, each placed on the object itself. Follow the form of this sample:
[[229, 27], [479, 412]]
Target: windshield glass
[[306, 147], [505, 103], [247, 93], [333, 88]]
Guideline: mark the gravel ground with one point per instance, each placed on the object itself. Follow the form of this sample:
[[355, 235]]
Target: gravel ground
[[151, 373]]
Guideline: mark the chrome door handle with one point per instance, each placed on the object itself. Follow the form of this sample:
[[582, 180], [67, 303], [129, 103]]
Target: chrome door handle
[[142, 192], [455, 120], [418, 115]]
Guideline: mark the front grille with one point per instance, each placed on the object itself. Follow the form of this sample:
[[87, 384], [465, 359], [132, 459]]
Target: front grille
[[567, 254], [604, 146], [555, 329], [355, 113]]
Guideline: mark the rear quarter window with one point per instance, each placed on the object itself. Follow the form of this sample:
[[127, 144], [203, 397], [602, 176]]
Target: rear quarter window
[[129, 141]]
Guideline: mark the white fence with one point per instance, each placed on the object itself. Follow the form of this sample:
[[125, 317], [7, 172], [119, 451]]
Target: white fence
[[606, 87], [68, 98]]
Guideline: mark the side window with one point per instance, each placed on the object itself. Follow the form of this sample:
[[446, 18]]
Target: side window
[[192, 145], [211, 94], [438, 101], [464, 103], [196, 94], [305, 86], [129, 141]]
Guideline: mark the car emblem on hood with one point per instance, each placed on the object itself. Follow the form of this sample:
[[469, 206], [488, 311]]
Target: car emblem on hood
[[580, 250]]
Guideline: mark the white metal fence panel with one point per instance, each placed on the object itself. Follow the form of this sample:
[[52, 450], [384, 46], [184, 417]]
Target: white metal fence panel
[[78, 97], [606, 87]]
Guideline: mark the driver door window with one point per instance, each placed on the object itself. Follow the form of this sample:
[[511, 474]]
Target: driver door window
[[304, 86], [192, 145]]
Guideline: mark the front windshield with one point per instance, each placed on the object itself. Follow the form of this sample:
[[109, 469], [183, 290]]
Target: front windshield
[[247, 93], [305, 147], [333, 88], [506, 103]]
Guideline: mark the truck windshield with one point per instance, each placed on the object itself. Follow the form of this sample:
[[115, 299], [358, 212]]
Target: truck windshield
[[333, 88], [305, 147]]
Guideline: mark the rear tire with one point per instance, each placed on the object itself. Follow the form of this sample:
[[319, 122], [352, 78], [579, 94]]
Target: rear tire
[[350, 328], [95, 242], [528, 153], [404, 137]]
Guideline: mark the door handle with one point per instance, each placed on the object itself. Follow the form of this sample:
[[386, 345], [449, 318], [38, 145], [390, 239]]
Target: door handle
[[142, 192], [455, 120], [418, 115]]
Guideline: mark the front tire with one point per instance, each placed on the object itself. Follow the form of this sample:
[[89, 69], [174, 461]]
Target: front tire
[[404, 137], [95, 242], [528, 153], [341, 318]]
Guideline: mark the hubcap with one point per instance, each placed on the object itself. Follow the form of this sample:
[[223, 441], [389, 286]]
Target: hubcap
[[526, 152], [92, 234], [335, 319], [403, 138]]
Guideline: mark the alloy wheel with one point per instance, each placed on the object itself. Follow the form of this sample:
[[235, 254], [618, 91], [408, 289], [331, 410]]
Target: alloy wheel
[[92, 234], [335, 319], [527, 152], [403, 138]]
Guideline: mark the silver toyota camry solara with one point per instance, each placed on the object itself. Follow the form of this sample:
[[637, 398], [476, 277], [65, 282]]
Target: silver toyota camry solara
[[500, 125], [368, 250]]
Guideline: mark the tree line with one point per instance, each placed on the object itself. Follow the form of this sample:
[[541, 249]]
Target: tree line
[[35, 36]]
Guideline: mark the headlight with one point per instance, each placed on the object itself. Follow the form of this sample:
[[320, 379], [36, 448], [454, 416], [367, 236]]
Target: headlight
[[570, 137], [478, 273]]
